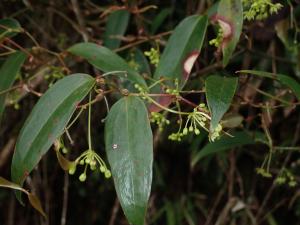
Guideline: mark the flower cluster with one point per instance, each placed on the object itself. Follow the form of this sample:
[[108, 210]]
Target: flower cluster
[[132, 62], [195, 120], [91, 159], [286, 177], [216, 133], [260, 9], [55, 74], [141, 90], [263, 172], [159, 119], [153, 55], [218, 40]]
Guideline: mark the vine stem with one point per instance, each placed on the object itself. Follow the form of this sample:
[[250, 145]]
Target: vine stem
[[89, 123]]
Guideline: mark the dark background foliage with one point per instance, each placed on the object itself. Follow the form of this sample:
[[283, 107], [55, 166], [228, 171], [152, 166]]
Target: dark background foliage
[[205, 194]]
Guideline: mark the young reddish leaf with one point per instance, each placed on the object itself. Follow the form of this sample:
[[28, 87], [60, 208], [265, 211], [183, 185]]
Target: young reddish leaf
[[182, 50], [34, 201], [180, 54], [230, 18]]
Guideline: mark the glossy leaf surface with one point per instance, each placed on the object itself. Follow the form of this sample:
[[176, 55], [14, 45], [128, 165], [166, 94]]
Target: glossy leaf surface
[[284, 79], [182, 50], [230, 18], [129, 147], [8, 74], [219, 93], [106, 60], [47, 121], [116, 27]]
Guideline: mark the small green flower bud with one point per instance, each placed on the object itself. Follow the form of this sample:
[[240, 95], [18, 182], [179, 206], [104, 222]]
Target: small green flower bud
[[197, 131], [81, 162], [185, 131], [87, 161], [82, 177], [92, 167], [72, 169], [64, 150], [191, 129], [93, 163], [292, 183], [107, 174], [102, 169]]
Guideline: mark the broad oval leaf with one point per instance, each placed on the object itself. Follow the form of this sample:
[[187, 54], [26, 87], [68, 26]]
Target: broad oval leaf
[[182, 50], [106, 60], [115, 28], [284, 79], [225, 143], [219, 93], [129, 147], [9, 27], [230, 18], [46, 122], [8, 74], [159, 19]]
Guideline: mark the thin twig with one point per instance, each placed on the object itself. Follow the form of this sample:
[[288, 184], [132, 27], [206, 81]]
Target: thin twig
[[65, 200], [114, 212]]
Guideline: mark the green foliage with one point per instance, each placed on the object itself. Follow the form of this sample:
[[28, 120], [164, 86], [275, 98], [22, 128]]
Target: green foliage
[[128, 139], [9, 71], [116, 25], [106, 60], [182, 50], [47, 122], [230, 18], [219, 94], [260, 9], [9, 28], [177, 83]]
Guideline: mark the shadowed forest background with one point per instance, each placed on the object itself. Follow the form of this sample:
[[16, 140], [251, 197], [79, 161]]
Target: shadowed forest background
[[237, 183]]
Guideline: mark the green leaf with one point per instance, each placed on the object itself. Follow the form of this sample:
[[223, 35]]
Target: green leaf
[[219, 94], [106, 60], [223, 144], [116, 26], [9, 27], [159, 19], [230, 19], [46, 123], [8, 74], [284, 79], [139, 58], [182, 50], [129, 147]]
